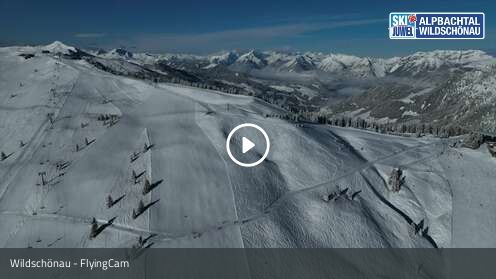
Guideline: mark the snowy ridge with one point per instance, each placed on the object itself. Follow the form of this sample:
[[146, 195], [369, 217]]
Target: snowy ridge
[[59, 47]]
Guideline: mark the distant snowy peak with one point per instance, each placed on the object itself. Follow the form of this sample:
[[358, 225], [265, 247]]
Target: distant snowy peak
[[417, 63], [299, 63], [356, 66], [225, 58], [252, 58], [275, 60], [120, 53], [420, 63], [59, 47]]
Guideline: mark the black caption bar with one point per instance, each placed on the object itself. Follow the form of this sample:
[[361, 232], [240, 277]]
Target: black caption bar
[[247, 263]]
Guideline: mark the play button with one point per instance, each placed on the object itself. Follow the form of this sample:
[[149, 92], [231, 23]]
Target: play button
[[247, 145]]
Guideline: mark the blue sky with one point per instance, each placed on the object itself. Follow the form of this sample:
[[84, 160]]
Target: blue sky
[[346, 26]]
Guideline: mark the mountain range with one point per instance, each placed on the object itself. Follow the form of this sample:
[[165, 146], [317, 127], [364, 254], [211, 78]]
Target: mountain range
[[440, 87]]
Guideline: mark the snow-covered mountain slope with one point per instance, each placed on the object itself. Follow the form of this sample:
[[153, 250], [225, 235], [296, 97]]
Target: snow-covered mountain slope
[[450, 188], [425, 62], [80, 127], [462, 98]]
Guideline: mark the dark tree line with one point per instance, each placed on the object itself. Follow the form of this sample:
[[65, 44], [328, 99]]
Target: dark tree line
[[403, 129], [200, 84]]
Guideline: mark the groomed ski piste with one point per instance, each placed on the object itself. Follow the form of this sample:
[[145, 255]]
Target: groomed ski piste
[[75, 136]]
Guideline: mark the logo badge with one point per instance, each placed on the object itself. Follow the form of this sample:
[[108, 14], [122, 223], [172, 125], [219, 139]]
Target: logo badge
[[402, 25], [421, 25]]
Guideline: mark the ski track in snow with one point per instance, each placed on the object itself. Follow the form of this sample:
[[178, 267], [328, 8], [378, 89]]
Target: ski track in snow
[[182, 115], [161, 236]]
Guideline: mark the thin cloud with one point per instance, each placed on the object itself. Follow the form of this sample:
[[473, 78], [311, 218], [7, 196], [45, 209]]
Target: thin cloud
[[89, 35], [238, 38]]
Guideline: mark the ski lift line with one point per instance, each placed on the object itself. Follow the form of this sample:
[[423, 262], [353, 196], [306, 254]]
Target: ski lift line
[[162, 236], [32, 145]]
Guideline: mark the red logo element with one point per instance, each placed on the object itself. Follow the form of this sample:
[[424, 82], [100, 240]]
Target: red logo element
[[412, 18]]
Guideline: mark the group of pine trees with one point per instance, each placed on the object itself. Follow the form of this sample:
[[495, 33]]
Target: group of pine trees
[[200, 84], [288, 116], [401, 129], [417, 129]]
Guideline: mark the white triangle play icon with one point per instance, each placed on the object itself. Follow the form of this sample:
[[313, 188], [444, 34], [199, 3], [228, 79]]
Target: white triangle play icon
[[246, 145]]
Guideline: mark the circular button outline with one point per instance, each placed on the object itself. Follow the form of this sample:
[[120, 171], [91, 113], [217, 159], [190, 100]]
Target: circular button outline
[[267, 148]]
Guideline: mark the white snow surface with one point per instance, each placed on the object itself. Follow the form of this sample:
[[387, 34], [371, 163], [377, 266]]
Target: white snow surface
[[205, 199], [451, 188]]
